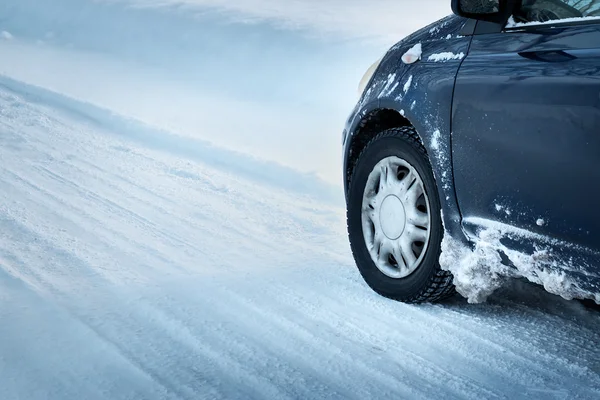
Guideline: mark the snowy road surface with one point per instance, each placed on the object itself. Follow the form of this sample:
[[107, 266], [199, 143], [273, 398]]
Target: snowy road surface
[[139, 265], [172, 223]]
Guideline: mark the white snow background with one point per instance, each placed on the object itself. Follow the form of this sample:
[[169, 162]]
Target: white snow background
[[172, 222]]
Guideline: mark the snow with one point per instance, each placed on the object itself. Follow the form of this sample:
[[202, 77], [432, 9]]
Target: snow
[[478, 272], [408, 83], [155, 245], [435, 141], [502, 208], [540, 222], [389, 87], [413, 54], [439, 156], [437, 28], [445, 56], [513, 24]]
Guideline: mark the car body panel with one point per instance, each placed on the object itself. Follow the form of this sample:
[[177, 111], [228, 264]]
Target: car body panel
[[526, 138], [420, 92]]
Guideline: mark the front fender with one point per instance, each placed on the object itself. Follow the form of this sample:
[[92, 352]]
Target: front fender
[[422, 93]]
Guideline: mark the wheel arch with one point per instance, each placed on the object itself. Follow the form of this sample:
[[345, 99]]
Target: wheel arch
[[387, 116], [372, 123]]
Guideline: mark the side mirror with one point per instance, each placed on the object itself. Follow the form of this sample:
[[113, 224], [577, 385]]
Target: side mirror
[[484, 10]]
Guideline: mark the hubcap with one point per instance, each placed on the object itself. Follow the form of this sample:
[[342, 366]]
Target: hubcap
[[392, 217], [395, 217]]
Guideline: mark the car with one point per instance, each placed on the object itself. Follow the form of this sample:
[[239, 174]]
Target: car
[[473, 154]]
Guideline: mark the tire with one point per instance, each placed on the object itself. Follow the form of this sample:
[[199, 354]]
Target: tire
[[368, 203]]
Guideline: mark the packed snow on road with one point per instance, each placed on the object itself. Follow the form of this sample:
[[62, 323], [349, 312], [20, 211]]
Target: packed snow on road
[[166, 234]]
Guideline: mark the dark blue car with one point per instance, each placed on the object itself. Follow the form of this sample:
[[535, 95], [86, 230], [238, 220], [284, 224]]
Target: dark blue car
[[473, 154]]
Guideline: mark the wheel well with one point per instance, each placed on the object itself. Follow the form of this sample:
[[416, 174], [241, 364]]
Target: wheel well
[[373, 123]]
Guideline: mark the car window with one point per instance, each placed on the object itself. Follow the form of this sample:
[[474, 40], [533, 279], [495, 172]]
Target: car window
[[586, 7], [481, 6], [555, 10]]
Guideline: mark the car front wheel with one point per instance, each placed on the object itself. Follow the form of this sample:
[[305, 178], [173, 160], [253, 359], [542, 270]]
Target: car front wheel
[[394, 219]]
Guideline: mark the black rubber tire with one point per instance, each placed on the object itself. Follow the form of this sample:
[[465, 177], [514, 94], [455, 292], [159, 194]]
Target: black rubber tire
[[429, 283]]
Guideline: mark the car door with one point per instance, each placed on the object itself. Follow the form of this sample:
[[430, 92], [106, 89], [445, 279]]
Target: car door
[[526, 131]]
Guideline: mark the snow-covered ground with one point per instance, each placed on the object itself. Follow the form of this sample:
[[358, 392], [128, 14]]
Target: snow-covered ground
[[136, 270], [148, 251]]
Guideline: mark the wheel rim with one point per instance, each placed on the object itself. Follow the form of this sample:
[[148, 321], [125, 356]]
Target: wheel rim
[[396, 217]]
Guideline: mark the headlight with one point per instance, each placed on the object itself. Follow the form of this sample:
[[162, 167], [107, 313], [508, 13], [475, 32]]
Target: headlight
[[367, 77]]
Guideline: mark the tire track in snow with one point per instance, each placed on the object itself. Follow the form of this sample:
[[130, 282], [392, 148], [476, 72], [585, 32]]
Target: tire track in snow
[[75, 218], [352, 369], [93, 358]]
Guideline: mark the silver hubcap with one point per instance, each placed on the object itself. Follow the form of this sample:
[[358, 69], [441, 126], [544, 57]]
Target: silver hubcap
[[395, 217]]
